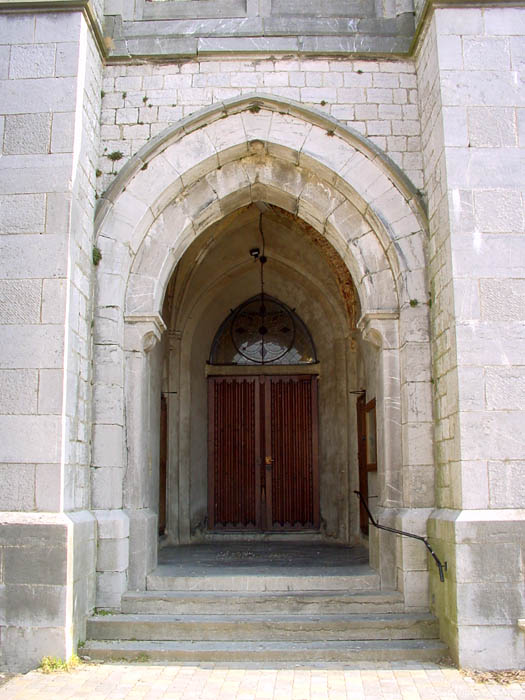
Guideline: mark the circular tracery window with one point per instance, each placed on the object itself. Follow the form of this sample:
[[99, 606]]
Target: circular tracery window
[[262, 331]]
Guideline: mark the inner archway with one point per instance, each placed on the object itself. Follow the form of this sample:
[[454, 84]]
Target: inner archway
[[211, 284]]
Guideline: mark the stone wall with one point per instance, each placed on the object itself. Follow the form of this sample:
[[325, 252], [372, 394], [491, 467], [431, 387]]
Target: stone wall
[[471, 77], [377, 98], [50, 86]]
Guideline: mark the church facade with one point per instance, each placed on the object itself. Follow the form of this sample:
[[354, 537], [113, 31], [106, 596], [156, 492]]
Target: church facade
[[208, 207]]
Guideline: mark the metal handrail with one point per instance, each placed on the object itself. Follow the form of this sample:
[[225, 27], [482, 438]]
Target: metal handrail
[[441, 566]]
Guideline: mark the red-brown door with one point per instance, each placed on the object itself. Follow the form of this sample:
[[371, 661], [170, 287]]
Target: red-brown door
[[262, 453]]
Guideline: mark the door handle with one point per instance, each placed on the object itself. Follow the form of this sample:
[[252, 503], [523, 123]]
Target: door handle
[[268, 461]]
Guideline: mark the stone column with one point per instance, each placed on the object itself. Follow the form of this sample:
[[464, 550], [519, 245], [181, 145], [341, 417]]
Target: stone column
[[141, 335], [50, 75], [470, 63]]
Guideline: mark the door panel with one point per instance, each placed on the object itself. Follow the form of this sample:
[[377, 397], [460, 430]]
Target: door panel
[[293, 450], [263, 464], [233, 462]]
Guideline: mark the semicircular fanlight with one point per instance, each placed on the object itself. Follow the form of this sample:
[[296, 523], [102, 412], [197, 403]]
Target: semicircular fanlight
[[262, 331]]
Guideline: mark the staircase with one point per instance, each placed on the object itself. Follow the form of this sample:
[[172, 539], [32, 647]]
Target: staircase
[[265, 610]]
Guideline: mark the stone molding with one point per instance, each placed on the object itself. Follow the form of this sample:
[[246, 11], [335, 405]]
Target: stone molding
[[146, 331], [251, 102], [371, 213]]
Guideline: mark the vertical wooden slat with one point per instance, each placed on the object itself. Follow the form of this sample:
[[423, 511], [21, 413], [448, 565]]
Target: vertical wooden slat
[[294, 446], [268, 452], [163, 459]]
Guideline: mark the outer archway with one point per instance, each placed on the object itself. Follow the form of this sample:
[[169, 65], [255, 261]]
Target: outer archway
[[248, 150]]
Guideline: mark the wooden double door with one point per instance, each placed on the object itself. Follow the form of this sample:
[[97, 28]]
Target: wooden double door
[[263, 471]]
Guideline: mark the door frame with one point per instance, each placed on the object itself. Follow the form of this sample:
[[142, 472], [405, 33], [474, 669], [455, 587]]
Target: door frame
[[263, 379]]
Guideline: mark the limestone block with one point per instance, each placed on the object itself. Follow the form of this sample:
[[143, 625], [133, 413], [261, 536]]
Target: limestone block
[[108, 360], [365, 177], [413, 324], [228, 138], [455, 126], [505, 388], [48, 486], [482, 431], [505, 21], [108, 405], [419, 485], [24, 647], [33, 565], [416, 401], [318, 201], [34, 173], [467, 299], [329, 149], [20, 301], [480, 646], [38, 95], [417, 443], [487, 255], [286, 137], [54, 301], [517, 53], [157, 185], [281, 175], [192, 157], [110, 587], [471, 388], [112, 524], [18, 487], [113, 555], [491, 127], [67, 54], [16, 29], [473, 487], [63, 132], [22, 213], [50, 391], [27, 133], [142, 546], [490, 563], [486, 53], [504, 525], [107, 445], [106, 485], [489, 603], [499, 210], [415, 588], [127, 225], [54, 26], [18, 391], [506, 483], [31, 347], [44, 445], [32, 61], [459, 21], [256, 125], [229, 179], [236, 200], [481, 88], [415, 362], [57, 212]]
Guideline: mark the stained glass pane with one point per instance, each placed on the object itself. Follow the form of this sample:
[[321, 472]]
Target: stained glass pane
[[263, 331]]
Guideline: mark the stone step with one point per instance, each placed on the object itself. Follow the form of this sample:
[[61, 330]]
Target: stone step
[[303, 652], [227, 602], [274, 627], [240, 581]]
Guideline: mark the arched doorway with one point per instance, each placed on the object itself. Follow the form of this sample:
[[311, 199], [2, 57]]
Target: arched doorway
[[162, 221], [276, 407]]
